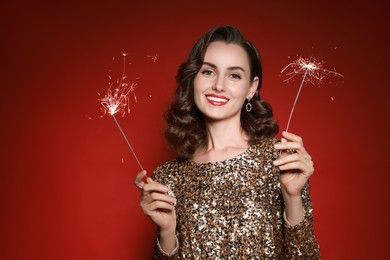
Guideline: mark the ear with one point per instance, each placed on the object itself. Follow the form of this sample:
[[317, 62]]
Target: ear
[[253, 87]]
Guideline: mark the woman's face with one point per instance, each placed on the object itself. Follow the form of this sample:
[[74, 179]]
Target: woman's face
[[223, 83]]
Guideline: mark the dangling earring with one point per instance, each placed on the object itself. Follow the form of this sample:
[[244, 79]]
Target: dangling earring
[[248, 105]]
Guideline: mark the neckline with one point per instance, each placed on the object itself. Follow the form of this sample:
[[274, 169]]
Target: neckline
[[239, 155]]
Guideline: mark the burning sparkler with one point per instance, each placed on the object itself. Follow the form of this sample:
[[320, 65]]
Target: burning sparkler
[[153, 57], [312, 71], [117, 101]]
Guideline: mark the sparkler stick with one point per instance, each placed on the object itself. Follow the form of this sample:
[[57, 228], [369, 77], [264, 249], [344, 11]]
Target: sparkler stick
[[312, 71], [117, 101], [297, 96], [296, 99], [128, 143]]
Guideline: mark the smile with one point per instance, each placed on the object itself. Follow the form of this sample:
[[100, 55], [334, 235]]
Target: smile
[[217, 100]]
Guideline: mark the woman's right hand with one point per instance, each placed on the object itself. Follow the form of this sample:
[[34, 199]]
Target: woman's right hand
[[156, 203]]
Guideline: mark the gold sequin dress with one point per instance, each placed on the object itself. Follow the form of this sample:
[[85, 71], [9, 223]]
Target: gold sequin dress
[[233, 209]]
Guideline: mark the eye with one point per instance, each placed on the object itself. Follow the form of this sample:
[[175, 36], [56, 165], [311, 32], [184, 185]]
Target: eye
[[235, 76], [207, 72]]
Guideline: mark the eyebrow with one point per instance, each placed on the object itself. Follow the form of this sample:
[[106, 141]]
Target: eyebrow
[[229, 68]]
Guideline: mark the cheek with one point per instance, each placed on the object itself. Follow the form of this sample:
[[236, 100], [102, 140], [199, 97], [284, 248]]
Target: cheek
[[200, 84], [240, 90], [197, 90], [196, 84]]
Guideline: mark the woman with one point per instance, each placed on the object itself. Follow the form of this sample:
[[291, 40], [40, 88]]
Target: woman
[[234, 191]]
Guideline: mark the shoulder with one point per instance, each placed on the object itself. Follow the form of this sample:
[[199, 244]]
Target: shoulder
[[169, 172], [265, 149], [264, 155]]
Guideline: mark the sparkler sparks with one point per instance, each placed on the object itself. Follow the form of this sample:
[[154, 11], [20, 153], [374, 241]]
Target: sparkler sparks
[[312, 71], [153, 57], [117, 101], [312, 66]]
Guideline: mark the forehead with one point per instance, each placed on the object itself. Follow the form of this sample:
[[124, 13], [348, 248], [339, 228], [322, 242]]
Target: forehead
[[226, 54]]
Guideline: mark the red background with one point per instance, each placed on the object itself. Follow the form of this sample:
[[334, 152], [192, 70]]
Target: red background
[[65, 193]]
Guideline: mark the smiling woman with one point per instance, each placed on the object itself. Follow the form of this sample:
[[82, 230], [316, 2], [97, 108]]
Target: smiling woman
[[223, 82], [186, 130], [233, 191]]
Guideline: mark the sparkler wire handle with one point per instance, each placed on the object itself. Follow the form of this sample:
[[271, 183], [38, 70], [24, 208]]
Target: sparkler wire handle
[[128, 143], [297, 96]]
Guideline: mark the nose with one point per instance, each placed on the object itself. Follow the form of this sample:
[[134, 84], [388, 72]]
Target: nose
[[219, 84]]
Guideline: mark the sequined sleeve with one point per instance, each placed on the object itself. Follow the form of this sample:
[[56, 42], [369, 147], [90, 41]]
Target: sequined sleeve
[[299, 240], [167, 174]]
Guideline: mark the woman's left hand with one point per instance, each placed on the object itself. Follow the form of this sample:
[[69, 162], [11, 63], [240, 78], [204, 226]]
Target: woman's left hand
[[296, 168]]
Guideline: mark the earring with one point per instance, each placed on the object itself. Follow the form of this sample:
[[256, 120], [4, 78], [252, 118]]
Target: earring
[[248, 105]]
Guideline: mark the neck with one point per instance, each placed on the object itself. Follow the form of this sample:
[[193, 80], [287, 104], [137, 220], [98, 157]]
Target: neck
[[225, 134]]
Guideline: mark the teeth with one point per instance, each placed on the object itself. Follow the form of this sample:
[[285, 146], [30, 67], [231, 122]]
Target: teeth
[[216, 99]]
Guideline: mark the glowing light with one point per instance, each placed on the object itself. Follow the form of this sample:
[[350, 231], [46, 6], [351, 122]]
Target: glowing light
[[153, 57], [313, 67], [312, 71], [117, 101]]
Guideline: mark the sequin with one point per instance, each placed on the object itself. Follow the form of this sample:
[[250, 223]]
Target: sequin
[[233, 209]]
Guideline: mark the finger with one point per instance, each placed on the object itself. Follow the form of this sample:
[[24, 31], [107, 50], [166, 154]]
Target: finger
[[298, 165], [148, 209], [153, 186], [138, 181], [301, 166], [156, 196], [293, 158], [286, 159], [291, 146], [292, 137]]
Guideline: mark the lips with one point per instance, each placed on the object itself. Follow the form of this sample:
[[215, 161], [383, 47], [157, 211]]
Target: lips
[[217, 100]]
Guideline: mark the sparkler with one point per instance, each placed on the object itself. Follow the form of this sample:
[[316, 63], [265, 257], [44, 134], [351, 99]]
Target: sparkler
[[116, 101], [153, 57], [313, 72]]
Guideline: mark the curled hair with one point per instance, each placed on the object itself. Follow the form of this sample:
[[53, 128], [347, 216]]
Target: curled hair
[[186, 130]]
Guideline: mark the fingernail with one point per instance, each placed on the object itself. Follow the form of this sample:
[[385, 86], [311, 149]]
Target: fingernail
[[276, 146], [276, 162], [164, 188]]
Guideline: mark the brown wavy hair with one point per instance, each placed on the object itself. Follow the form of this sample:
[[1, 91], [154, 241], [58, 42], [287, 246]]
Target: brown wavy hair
[[186, 130]]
